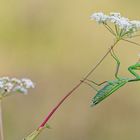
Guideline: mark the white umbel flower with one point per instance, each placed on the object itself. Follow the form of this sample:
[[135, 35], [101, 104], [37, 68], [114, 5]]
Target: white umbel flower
[[125, 27], [10, 85], [115, 14], [100, 17]]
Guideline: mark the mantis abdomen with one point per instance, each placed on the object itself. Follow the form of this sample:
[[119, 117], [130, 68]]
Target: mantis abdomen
[[107, 90]]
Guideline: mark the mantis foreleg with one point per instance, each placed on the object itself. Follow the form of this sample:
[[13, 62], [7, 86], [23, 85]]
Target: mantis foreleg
[[98, 84], [118, 62], [132, 71]]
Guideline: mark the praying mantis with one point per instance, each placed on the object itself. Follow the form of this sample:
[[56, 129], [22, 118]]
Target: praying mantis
[[113, 85]]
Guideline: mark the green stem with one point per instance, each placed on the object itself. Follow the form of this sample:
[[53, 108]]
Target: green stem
[[109, 29], [135, 36], [131, 42], [1, 123]]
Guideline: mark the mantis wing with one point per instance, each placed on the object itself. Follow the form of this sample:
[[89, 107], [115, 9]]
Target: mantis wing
[[107, 90]]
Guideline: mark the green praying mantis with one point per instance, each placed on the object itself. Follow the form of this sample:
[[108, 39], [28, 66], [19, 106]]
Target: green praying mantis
[[113, 85]]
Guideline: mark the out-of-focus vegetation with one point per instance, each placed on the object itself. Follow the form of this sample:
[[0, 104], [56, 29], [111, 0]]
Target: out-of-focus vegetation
[[54, 43]]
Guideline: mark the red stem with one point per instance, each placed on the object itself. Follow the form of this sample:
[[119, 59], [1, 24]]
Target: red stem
[[76, 87], [55, 108]]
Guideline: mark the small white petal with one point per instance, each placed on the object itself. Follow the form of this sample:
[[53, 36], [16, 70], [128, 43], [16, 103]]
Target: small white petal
[[15, 80], [1, 84], [28, 83], [4, 79], [20, 89], [8, 87], [100, 17], [115, 14]]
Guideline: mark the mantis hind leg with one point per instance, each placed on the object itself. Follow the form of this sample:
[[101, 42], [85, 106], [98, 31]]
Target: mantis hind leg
[[95, 83], [118, 63], [90, 85]]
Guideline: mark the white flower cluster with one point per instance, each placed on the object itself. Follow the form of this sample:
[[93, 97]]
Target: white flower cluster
[[10, 85], [122, 23]]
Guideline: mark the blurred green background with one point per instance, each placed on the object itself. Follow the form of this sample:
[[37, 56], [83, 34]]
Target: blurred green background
[[55, 44]]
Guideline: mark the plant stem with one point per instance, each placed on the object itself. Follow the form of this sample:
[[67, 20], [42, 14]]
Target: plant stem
[[76, 87], [131, 42], [1, 124]]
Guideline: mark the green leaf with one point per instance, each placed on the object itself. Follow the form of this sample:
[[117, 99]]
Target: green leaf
[[34, 134], [47, 126]]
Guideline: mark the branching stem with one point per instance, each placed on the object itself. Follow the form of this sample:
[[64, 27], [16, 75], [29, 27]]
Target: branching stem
[[76, 87], [131, 42]]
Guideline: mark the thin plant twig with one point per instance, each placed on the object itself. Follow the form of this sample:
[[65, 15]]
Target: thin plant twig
[[1, 123], [109, 29], [135, 36], [75, 88], [131, 42], [91, 86]]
